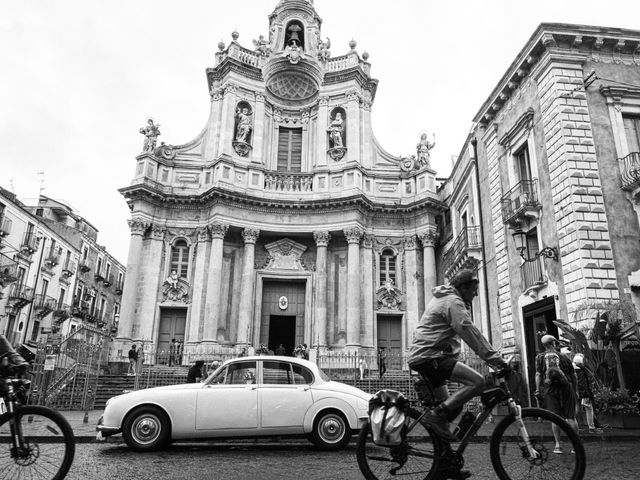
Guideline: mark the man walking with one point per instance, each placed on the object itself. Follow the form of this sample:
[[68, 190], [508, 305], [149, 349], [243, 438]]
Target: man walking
[[133, 360]]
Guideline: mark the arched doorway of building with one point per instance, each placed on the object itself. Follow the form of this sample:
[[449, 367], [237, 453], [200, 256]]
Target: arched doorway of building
[[282, 317], [538, 321]]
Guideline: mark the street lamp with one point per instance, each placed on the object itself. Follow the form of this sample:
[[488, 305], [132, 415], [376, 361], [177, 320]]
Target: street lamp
[[520, 239]]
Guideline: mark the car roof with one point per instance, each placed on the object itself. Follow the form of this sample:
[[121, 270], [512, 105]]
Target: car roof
[[274, 357]]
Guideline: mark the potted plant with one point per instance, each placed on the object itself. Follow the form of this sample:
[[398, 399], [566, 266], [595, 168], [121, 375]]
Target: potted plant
[[618, 408]]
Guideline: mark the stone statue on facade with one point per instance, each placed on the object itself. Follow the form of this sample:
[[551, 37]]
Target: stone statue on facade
[[335, 131], [151, 131], [261, 46], [244, 124], [323, 48], [423, 148]]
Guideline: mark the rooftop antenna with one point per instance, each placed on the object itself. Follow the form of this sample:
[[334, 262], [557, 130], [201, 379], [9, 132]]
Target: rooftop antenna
[[42, 187]]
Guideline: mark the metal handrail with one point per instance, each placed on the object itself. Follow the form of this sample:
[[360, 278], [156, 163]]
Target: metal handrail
[[630, 171], [523, 194]]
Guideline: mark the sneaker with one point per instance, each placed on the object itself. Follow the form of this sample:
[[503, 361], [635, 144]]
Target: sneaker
[[557, 450], [597, 431], [440, 426]]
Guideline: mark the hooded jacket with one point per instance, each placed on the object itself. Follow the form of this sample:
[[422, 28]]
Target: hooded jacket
[[445, 320]]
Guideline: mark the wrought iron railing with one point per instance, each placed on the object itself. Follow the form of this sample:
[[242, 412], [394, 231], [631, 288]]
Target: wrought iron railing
[[630, 171], [468, 238], [29, 243], [522, 196], [5, 226]]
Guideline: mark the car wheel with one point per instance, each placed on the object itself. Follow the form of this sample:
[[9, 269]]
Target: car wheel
[[146, 429], [330, 431]]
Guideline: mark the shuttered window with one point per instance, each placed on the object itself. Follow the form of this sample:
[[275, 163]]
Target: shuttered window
[[632, 130], [290, 150]]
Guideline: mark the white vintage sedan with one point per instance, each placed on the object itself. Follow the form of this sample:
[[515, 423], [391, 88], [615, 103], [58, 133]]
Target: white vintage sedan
[[244, 397]]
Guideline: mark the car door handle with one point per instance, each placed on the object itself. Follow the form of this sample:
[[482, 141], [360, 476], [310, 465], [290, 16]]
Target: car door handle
[[304, 389], [250, 387]]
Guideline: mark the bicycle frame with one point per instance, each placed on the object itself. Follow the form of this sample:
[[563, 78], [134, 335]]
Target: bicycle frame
[[9, 403]]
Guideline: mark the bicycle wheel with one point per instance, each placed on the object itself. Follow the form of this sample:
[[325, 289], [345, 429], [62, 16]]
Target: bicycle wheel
[[48, 445], [414, 460], [512, 459]]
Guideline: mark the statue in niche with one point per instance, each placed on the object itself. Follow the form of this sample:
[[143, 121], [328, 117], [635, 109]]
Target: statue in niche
[[423, 148], [261, 46], [243, 124], [151, 131], [336, 130]]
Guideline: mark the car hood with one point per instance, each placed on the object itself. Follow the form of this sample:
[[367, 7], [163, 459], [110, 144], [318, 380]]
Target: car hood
[[149, 391], [343, 387]]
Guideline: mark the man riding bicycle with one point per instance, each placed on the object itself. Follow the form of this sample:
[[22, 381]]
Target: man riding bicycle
[[14, 358], [436, 349]]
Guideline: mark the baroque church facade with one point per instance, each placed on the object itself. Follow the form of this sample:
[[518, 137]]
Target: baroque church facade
[[283, 221]]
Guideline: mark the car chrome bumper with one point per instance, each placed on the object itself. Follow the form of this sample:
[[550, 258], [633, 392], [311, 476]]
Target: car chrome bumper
[[105, 431]]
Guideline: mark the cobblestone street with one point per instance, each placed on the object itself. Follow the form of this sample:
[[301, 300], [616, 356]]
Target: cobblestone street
[[294, 460]]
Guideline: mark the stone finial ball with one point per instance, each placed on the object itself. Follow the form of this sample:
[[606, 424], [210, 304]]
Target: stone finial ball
[[365, 56], [353, 44], [221, 45], [235, 35]]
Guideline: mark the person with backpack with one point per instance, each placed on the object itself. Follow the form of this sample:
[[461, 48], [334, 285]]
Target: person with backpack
[[556, 384], [585, 391]]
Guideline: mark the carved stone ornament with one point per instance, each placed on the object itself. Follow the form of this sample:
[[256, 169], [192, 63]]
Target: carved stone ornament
[[322, 238], [283, 302], [292, 52], [389, 297], [250, 235], [202, 234], [218, 230], [337, 153], [408, 164], [410, 242], [429, 237], [165, 151], [176, 290], [157, 231], [241, 148], [285, 254], [138, 227], [353, 234]]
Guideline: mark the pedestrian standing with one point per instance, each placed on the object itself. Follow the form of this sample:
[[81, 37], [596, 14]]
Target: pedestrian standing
[[133, 360], [585, 391], [556, 383], [196, 373], [281, 350], [382, 361], [172, 352], [178, 352]]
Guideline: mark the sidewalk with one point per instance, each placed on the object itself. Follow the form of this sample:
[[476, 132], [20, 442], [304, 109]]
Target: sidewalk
[[85, 432]]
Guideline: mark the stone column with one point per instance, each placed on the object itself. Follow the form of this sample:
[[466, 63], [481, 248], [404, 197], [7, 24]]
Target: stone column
[[150, 277], [321, 131], [250, 237], [322, 241], [428, 239], [353, 235], [131, 282], [353, 126], [368, 293], [196, 309], [212, 323], [228, 119], [411, 292]]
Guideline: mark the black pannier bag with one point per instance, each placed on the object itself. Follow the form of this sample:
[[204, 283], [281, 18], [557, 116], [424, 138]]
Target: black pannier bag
[[387, 413]]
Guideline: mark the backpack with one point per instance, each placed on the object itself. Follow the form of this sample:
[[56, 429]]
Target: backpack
[[552, 369], [387, 413]]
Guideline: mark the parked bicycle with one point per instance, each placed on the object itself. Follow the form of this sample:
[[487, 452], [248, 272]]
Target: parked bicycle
[[521, 445], [35, 442]]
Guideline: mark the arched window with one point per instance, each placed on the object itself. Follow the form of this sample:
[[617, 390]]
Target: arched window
[[387, 266], [180, 258]]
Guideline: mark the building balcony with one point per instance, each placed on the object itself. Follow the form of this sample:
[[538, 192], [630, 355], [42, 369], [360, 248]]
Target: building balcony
[[52, 258], [464, 252], [107, 280], [98, 276], [521, 203], [119, 286], [8, 271], [532, 272], [84, 266], [69, 269], [19, 296], [295, 182], [43, 305], [5, 226], [61, 313], [29, 244], [82, 309], [630, 171]]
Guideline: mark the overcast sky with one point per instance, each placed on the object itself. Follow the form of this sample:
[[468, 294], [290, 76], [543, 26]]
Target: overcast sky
[[79, 78]]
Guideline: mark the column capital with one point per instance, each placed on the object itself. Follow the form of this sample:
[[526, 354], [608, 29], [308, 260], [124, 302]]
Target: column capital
[[157, 231], [353, 234], [410, 242], [138, 227], [218, 230], [250, 235], [322, 238], [429, 237]]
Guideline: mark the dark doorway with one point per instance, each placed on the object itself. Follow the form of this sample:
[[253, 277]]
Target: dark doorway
[[538, 321], [172, 325], [282, 330], [390, 338]]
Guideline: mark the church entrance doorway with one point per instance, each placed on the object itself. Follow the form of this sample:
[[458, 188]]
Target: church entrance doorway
[[282, 317], [282, 330], [172, 325], [390, 339]]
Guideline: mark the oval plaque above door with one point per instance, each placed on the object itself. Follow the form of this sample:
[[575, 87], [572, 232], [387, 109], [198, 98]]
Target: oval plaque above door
[[283, 302]]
